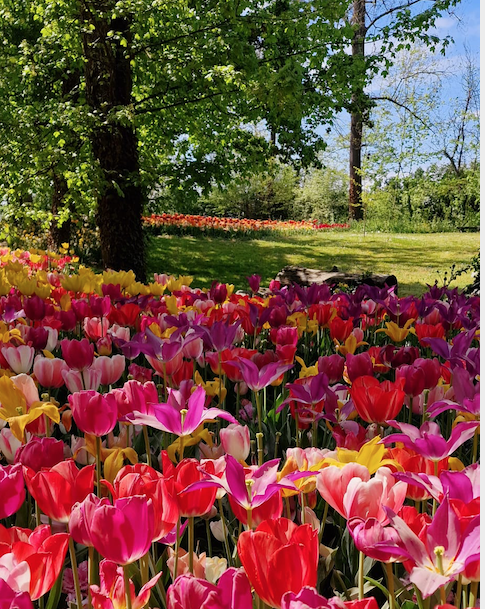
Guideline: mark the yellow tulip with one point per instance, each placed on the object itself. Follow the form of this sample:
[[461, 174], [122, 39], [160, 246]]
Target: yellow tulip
[[306, 371], [350, 345], [17, 414], [370, 455], [396, 333]]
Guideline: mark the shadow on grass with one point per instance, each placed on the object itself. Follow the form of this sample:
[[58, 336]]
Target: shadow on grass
[[414, 261]]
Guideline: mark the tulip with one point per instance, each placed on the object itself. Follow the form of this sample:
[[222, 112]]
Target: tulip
[[279, 557], [20, 359], [95, 328], [198, 568], [31, 560], [57, 489], [94, 413], [88, 379], [140, 479], [78, 354], [123, 532], [48, 371], [12, 489], [9, 444], [37, 338], [352, 492], [377, 402], [428, 441], [11, 599], [358, 365], [111, 593], [332, 366], [414, 379], [232, 592], [235, 441], [111, 368], [82, 516], [39, 453], [442, 552], [186, 474]]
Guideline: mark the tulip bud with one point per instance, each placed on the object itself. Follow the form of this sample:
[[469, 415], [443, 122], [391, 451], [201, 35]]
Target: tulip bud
[[235, 441]]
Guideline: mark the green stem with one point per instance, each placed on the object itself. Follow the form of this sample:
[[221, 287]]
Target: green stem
[[342, 583], [324, 520], [147, 445], [314, 433], [98, 466], [419, 597], [37, 514], [361, 575], [458, 591], [473, 594], [91, 567], [209, 538], [260, 416], [75, 574], [177, 546], [224, 532], [191, 544], [288, 508], [158, 586], [302, 503], [475, 446], [144, 569], [126, 579], [259, 440], [390, 585]]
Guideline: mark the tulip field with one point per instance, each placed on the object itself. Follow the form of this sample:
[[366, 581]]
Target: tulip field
[[167, 446]]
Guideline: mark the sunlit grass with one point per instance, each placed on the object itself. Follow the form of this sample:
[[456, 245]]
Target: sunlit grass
[[415, 259]]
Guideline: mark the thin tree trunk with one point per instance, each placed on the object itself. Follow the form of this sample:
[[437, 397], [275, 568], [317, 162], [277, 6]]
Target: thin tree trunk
[[356, 210], [59, 234], [115, 145]]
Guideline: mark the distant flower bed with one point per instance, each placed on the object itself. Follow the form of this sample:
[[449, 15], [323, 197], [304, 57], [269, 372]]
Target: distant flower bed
[[190, 224]]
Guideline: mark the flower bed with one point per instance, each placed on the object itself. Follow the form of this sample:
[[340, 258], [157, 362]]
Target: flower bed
[[306, 449], [212, 225]]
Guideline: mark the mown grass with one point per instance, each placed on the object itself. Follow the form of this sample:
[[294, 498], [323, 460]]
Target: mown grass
[[415, 259]]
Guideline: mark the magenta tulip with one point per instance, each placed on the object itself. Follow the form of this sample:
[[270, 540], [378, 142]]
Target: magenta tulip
[[78, 354], [12, 489], [93, 412]]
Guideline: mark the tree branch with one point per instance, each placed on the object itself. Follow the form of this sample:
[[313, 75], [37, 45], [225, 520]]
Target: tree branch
[[391, 11], [407, 108]]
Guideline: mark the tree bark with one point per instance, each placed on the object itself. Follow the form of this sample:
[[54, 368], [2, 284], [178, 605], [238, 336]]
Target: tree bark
[[115, 146], [356, 209], [59, 234]]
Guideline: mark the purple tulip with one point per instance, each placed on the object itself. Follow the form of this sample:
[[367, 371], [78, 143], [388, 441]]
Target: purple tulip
[[428, 441]]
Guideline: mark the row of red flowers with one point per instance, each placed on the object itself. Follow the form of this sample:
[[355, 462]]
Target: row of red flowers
[[245, 225]]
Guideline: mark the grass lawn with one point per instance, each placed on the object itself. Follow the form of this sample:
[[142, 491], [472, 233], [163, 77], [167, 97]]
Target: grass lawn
[[415, 259]]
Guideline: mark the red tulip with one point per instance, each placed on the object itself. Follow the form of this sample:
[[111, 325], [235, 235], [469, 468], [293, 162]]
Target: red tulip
[[193, 503], [279, 557], [377, 402], [36, 554], [57, 489], [93, 412]]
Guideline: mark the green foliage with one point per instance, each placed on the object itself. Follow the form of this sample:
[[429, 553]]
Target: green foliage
[[264, 196], [323, 195]]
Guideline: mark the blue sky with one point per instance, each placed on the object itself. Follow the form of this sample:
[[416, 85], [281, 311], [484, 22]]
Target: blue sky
[[462, 24]]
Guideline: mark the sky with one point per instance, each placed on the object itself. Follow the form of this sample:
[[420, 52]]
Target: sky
[[462, 24]]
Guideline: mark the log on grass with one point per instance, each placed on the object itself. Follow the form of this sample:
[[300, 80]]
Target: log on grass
[[305, 277]]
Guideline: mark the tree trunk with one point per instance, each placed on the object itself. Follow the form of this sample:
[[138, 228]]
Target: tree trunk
[[356, 210], [115, 145], [59, 234]]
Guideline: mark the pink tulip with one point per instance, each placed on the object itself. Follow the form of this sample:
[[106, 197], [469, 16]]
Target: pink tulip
[[27, 386], [9, 444], [232, 592], [235, 441], [78, 354], [135, 396], [81, 518], [88, 379], [111, 593], [40, 452], [93, 412], [123, 532], [333, 481], [12, 489], [20, 359], [111, 368], [48, 371], [95, 328], [11, 599]]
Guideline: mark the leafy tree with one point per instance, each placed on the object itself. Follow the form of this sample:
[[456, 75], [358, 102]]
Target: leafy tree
[[105, 99]]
